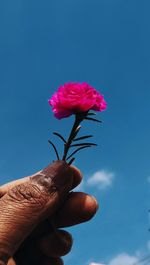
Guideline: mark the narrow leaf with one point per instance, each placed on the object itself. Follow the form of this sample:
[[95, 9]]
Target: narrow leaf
[[71, 161], [60, 136], [81, 144], [80, 148], [55, 149], [92, 119], [82, 137]]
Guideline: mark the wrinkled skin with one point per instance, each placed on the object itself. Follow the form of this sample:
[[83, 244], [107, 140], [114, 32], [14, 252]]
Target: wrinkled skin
[[32, 211]]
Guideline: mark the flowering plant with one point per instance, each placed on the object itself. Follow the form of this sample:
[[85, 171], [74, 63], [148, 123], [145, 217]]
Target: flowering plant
[[75, 99]]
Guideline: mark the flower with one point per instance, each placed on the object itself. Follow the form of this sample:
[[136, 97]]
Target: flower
[[72, 98]]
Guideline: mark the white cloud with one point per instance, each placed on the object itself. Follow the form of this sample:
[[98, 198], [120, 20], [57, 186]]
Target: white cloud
[[121, 259], [140, 257], [124, 259], [102, 179], [96, 263]]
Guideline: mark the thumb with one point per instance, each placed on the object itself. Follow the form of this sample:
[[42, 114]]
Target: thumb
[[25, 205]]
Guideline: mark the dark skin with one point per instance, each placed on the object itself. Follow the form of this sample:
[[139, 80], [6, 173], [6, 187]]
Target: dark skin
[[32, 211]]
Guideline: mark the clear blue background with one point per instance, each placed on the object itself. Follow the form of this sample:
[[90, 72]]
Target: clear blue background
[[106, 43]]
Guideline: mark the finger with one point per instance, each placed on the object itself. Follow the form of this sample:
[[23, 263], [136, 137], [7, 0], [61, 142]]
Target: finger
[[11, 262], [51, 261], [81, 208], [24, 206], [78, 208], [56, 244], [77, 177]]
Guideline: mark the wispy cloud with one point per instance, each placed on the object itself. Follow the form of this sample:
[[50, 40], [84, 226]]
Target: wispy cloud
[[121, 259], [141, 256], [96, 263], [148, 179], [102, 179], [124, 259]]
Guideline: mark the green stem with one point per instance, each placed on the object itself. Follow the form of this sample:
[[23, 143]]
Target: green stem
[[78, 119]]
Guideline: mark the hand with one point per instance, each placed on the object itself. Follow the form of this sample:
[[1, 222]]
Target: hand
[[33, 209]]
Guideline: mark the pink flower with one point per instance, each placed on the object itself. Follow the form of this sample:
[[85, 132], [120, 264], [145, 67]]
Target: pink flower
[[72, 98]]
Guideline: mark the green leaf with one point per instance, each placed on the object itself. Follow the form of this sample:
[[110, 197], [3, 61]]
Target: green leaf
[[71, 161], [81, 144], [60, 136], [55, 149], [80, 148], [92, 119], [83, 137]]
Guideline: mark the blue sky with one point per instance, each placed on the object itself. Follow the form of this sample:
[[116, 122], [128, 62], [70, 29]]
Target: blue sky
[[105, 43]]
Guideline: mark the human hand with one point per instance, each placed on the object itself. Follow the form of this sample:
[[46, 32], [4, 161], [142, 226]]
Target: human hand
[[33, 209]]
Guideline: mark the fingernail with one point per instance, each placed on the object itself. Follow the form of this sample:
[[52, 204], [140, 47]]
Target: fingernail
[[57, 176]]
